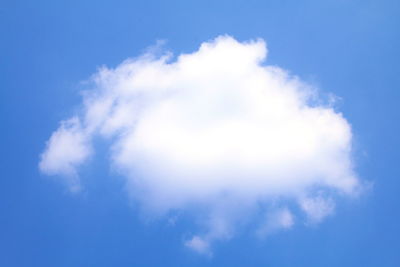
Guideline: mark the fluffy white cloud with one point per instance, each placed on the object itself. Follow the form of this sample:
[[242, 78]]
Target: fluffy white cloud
[[216, 134], [66, 149]]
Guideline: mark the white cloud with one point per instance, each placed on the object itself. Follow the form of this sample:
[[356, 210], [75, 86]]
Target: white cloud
[[317, 208], [214, 134], [276, 220], [199, 245], [66, 149]]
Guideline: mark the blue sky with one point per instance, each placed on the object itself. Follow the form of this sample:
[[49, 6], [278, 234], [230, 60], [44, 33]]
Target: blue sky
[[347, 48]]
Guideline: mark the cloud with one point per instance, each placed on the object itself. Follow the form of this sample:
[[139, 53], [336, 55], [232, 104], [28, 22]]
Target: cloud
[[216, 134], [317, 208], [199, 245], [276, 220], [66, 149]]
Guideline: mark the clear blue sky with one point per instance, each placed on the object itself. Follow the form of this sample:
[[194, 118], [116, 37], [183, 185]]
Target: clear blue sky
[[349, 48]]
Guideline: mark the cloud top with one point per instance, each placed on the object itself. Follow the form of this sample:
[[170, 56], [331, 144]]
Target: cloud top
[[215, 133]]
